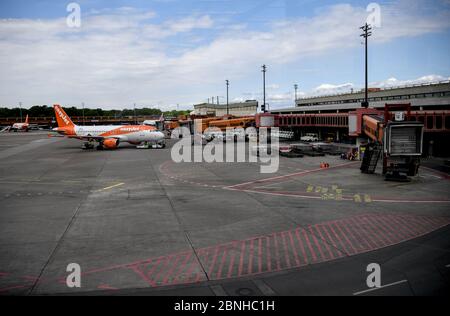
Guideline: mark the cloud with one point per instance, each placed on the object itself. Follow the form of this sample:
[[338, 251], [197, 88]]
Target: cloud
[[326, 89], [394, 82], [286, 100], [121, 56]]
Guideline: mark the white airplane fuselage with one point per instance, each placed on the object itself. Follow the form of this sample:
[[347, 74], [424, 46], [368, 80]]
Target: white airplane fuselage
[[109, 136]]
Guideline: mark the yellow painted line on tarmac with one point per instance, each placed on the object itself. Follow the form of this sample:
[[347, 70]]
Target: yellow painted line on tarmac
[[111, 187]]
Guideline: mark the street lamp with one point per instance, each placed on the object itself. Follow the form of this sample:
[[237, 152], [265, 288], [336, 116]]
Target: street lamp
[[228, 106], [264, 70], [296, 88], [367, 32]]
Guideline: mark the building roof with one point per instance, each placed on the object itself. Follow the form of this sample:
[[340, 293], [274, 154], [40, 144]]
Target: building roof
[[425, 95], [436, 87]]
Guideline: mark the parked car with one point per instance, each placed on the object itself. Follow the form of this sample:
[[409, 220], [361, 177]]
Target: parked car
[[310, 138]]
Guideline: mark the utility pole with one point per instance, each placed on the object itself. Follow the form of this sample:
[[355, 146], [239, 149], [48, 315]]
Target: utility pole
[[264, 70], [228, 105], [135, 117], [82, 106], [367, 32], [296, 88], [20, 107]]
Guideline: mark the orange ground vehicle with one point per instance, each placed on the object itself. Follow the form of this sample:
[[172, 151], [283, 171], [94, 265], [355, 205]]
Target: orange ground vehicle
[[393, 137], [243, 122]]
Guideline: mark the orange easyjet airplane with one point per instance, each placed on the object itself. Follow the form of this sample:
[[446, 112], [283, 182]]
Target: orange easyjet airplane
[[109, 136], [21, 126]]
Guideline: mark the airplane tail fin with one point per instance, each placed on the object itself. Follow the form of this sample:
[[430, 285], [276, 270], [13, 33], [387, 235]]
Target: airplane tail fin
[[26, 119], [61, 117]]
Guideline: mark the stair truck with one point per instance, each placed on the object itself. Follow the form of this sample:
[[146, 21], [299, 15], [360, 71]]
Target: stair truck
[[392, 137]]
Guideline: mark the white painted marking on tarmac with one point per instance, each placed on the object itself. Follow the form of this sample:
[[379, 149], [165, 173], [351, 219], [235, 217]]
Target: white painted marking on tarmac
[[447, 266], [111, 187], [381, 287]]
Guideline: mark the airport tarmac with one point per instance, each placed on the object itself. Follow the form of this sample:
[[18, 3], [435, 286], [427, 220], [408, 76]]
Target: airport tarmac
[[138, 223]]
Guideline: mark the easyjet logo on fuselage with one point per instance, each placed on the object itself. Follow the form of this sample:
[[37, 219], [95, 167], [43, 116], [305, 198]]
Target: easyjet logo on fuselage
[[130, 129]]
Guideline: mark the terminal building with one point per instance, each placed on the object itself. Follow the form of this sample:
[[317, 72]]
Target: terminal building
[[247, 108], [328, 116], [425, 97]]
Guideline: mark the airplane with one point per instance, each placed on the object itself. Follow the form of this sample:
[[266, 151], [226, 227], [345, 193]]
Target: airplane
[[108, 136], [21, 126]]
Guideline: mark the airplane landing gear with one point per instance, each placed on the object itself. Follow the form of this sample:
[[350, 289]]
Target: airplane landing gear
[[87, 146]]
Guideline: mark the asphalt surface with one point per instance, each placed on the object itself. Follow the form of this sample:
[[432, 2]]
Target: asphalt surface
[[138, 223]]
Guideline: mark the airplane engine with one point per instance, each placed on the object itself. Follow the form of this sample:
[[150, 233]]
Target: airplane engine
[[111, 143]]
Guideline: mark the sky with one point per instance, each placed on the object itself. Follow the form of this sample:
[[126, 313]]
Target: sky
[[171, 54]]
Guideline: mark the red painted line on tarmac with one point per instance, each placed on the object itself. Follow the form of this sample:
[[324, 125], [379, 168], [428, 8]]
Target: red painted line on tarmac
[[308, 243], [182, 266], [294, 249], [161, 271], [269, 259], [361, 237], [233, 255], [369, 233], [194, 263], [403, 227], [241, 259], [317, 243], [277, 254], [171, 270], [397, 232], [148, 275], [302, 248], [137, 269], [348, 231], [384, 232], [375, 231], [339, 241], [423, 222], [213, 263], [302, 173], [330, 239], [286, 252], [330, 254], [250, 259], [379, 232], [404, 224], [259, 255], [222, 263], [336, 224]]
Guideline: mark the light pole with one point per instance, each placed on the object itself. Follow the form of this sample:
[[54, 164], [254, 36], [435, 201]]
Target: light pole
[[367, 32], [228, 105], [264, 70], [296, 88], [135, 117]]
